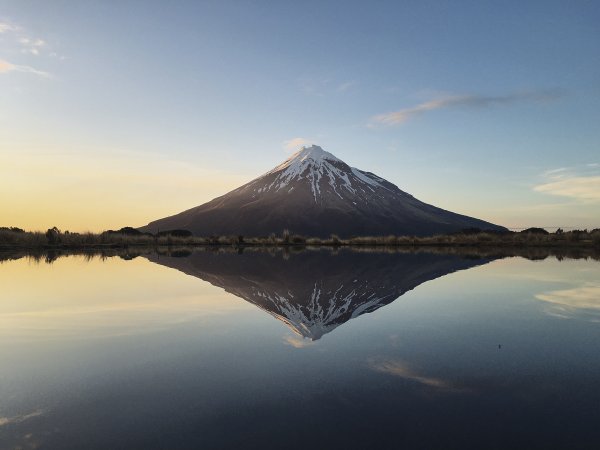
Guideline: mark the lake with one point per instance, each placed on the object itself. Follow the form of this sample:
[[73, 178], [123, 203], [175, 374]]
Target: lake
[[315, 349]]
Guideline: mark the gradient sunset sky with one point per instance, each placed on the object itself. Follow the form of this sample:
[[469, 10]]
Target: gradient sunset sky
[[118, 113]]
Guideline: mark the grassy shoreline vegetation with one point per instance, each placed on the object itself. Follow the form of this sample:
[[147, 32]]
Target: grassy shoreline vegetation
[[53, 238], [49, 255]]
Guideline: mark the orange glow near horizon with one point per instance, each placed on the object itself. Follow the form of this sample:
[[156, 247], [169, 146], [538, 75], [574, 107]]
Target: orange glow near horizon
[[89, 193]]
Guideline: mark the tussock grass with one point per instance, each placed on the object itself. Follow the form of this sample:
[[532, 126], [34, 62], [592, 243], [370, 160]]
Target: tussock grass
[[129, 237]]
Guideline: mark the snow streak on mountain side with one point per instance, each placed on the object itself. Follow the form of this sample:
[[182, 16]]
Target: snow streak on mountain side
[[314, 165]]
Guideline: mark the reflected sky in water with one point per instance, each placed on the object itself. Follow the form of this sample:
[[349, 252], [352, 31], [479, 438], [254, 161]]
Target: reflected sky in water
[[346, 350]]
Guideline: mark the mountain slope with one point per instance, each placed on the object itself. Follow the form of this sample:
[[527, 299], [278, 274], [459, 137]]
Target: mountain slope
[[316, 194]]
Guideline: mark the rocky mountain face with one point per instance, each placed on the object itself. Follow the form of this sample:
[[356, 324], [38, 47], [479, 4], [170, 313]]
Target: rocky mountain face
[[314, 292], [313, 193]]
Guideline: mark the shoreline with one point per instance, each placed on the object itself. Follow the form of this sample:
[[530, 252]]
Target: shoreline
[[54, 239], [388, 241], [413, 244], [50, 254]]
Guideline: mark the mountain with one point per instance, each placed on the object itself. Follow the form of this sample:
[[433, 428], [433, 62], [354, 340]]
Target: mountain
[[314, 292], [313, 193]]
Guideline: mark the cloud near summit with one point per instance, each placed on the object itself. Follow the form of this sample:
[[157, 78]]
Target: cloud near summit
[[295, 143], [463, 101]]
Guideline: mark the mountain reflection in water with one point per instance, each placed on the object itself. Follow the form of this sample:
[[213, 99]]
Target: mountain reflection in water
[[311, 292], [108, 349]]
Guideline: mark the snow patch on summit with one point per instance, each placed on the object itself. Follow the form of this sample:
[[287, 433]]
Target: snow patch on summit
[[298, 162], [314, 164]]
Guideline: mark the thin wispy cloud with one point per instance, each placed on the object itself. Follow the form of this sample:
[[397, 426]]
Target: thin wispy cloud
[[6, 27], [31, 46], [463, 101], [314, 86], [581, 184], [581, 188], [6, 67], [344, 87], [295, 143], [321, 87], [555, 171], [21, 40]]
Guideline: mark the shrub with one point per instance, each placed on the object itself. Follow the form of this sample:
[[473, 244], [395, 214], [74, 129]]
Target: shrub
[[174, 233], [534, 230], [297, 239], [391, 240], [53, 236]]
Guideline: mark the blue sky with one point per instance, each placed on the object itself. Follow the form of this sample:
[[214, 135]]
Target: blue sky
[[123, 112]]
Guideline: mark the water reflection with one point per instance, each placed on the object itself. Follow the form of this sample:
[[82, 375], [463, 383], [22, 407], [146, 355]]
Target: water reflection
[[121, 352], [18, 419], [84, 298], [314, 292], [577, 302], [402, 369]]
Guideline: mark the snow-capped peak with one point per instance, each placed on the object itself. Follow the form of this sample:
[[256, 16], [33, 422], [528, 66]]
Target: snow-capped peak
[[303, 157], [313, 152], [321, 169]]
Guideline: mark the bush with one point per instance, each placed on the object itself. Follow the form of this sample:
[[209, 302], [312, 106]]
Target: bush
[[297, 239], [174, 233], [53, 236], [534, 230], [391, 240]]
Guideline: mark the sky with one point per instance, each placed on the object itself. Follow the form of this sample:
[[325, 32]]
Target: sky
[[118, 113]]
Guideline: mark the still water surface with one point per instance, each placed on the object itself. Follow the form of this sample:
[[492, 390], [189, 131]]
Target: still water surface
[[310, 350]]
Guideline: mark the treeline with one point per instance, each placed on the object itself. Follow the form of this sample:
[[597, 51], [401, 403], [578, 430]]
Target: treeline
[[11, 237]]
